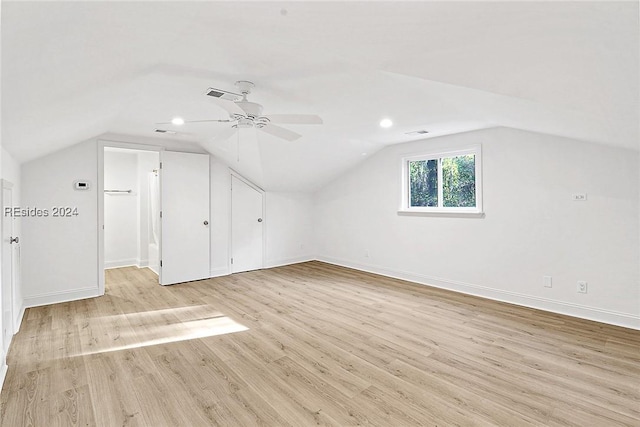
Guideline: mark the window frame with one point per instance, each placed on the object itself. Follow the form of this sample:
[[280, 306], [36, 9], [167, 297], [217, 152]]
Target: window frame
[[405, 207]]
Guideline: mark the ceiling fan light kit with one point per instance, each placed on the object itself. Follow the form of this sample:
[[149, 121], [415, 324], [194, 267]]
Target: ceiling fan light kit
[[246, 114]]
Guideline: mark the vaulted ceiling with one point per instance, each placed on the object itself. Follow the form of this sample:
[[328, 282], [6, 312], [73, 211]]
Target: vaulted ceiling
[[74, 70]]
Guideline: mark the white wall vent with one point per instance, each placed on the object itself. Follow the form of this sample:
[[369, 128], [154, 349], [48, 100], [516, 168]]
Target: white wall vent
[[417, 132], [168, 132]]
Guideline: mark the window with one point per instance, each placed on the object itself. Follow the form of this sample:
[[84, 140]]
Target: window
[[443, 182]]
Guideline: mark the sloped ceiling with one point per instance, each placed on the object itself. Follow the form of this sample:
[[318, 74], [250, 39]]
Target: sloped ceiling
[[75, 70]]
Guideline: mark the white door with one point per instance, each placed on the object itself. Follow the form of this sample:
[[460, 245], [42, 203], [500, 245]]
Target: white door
[[8, 241], [246, 226], [184, 235]]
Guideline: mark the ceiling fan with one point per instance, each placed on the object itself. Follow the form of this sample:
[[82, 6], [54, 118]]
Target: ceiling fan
[[246, 114]]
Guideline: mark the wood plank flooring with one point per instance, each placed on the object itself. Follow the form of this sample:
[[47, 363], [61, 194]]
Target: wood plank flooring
[[313, 344]]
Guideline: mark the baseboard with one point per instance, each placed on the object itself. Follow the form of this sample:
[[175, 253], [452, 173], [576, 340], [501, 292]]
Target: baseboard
[[218, 272], [18, 319], [121, 263], [142, 263], [64, 296], [224, 271], [569, 309], [289, 261]]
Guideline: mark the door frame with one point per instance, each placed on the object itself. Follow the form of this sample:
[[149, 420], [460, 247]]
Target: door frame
[[100, 189], [12, 320], [236, 174]]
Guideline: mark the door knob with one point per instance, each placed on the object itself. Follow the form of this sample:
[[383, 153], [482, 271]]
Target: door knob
[[14, 239], [206, 222], [259, 219]]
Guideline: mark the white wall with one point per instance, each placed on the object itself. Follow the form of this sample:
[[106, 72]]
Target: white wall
[[60, 255], [289, 228], [121, 210], [531, 227]]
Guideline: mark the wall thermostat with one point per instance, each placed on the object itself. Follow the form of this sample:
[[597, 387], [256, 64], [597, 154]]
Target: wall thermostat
[[81, 185]]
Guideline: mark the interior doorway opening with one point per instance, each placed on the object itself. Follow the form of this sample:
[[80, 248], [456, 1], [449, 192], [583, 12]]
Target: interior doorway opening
[[131, 208]]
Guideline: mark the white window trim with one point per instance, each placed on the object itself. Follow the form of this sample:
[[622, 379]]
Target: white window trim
[[442, 211]]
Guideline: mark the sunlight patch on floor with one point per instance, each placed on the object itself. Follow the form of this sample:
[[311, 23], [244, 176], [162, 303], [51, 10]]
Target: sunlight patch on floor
[[186, 312], [101, 338]]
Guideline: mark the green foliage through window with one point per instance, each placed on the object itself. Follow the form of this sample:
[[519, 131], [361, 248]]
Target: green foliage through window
[[458, 176], [459, 181], [423, 176]]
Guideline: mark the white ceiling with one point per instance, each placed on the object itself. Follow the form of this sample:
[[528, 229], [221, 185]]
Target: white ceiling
[[75, 70]]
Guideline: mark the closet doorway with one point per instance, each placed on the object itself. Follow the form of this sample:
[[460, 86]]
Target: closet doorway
[[131, 208]]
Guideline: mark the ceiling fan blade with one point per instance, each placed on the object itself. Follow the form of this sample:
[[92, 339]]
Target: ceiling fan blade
[[295, 119], [230, 106], [280, 132], [221, 143], [196, 121], [202, 121], [225, 134]]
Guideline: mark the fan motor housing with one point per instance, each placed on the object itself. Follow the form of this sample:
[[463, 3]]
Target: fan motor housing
[[244, 123]]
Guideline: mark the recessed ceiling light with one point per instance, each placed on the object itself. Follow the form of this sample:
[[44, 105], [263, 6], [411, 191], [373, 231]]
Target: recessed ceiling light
[[386, 123], [177, 121]]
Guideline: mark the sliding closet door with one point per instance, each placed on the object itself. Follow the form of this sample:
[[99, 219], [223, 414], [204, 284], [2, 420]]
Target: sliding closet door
[[185, 217]]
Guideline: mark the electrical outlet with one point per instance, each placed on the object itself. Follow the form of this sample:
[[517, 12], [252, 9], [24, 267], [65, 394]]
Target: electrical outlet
[[582, 286], [579, 197], [546, 281]]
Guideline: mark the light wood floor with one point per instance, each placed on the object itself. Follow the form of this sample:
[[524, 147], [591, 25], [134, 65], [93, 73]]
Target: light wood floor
[[313, 344]]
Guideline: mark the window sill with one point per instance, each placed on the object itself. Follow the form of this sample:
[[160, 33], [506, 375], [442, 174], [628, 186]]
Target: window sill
[[445, 214]]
